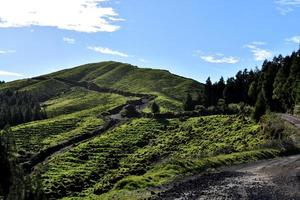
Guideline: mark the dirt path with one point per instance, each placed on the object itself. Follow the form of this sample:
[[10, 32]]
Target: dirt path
[[272, 179]]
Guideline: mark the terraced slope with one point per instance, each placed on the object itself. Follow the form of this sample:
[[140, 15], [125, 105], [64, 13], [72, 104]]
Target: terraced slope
[[133, 159], [145, 153], [73, 113], [116, 75], [131, 78], [126, 77]]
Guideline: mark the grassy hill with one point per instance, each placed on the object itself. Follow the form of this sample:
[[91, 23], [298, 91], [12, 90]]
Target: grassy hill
[[131, 160], [73, 110], [116, 75], [131, 78]]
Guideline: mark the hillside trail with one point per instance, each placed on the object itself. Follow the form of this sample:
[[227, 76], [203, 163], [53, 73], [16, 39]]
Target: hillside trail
[[113, 120], [274, 179]]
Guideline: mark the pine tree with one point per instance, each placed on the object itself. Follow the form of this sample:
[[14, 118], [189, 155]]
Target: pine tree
[[188, 104], [260, 107], [208, 92]]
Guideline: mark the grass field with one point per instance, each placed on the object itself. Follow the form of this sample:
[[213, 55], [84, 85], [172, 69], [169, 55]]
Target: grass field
[[70, 114], [147, 153], [78, 99]]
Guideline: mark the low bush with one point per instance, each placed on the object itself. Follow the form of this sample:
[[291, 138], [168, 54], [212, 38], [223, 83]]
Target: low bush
[[278, 134]]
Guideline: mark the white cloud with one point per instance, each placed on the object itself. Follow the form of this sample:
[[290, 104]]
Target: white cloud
[[215, 59], [107, 51], [7, 51], [143, 60], [5, 73], [218, 58], [295, 39], [259, 53], [114, 19], [258, 43], [77, 15], [69, 40], [287, 6]]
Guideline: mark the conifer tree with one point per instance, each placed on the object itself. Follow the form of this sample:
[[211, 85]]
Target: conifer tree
[[188, 104]]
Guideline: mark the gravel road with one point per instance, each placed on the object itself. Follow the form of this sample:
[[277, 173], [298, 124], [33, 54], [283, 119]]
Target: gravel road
[[277, 179]]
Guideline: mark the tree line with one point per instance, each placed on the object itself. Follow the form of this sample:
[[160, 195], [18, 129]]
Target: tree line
[[19, 107], [14, 182], [276, 87]]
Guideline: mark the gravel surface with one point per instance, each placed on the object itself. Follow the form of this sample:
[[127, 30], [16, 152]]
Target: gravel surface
[[272, 179]]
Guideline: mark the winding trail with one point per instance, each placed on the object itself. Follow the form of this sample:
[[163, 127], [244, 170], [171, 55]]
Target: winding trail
[[113, 118], [275, 179]]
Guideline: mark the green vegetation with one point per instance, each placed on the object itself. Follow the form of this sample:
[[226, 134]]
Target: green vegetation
[[188, 104], [34, 136], [116, 75], [155, 108], [18, 107], [148, 152], [280, 134], [131, 160], [128, 78], [18, 84], [46, 89], [273, 88], [77, 99], [14, 183]]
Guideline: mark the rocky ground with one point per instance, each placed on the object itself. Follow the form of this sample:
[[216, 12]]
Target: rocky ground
[[272, 179]]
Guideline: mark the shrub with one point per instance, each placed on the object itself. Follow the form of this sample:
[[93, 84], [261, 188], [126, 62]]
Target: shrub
[[201, 109], [297, 110], [155, 108], [221, 105], [130, 111], [246, 110], [278, 134], [212, 110], [233, 108]]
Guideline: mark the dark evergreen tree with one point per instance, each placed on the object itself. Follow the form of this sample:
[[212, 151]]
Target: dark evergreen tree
[[276, 86], [220, 88], [19, 107], [188, 104], [260, 107], [14, 183], [208, 92], [230, 92]]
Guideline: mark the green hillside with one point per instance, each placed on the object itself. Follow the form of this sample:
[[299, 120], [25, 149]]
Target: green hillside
[[123, 162], [86, 149], [131, 78], [116, 75]]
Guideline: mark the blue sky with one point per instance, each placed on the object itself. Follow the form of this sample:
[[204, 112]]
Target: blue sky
[[192, 38]]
